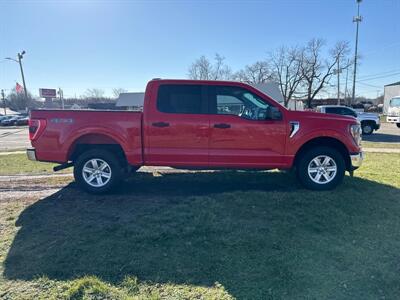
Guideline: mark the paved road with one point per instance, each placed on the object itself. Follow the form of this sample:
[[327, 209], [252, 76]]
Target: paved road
[[13, 138], [388, 133]]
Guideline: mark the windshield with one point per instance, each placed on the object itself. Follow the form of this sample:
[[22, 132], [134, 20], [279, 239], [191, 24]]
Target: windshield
[[395, 102]]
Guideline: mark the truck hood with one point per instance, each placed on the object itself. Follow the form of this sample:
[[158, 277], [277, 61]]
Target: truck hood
[[366, 115], [299, 115]]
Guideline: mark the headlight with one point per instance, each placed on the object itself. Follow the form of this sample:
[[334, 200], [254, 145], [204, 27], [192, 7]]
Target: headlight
[[355, 131]]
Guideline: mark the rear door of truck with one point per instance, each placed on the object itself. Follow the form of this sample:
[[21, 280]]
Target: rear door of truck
[[176, 126]]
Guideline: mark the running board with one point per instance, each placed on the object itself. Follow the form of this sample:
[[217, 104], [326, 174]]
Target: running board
[[63, 166]]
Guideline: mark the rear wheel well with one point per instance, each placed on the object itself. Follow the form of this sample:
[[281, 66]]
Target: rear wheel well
[[96, 141], [328, 142]]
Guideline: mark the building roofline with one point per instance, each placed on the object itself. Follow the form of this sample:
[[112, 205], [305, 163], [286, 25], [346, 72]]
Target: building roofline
[[394, 83]]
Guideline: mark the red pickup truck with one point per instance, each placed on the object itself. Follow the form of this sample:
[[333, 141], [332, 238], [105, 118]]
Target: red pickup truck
[[200, 125]]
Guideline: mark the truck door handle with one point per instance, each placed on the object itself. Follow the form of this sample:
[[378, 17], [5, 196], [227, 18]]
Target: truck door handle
[[222, 125], [160, 124]]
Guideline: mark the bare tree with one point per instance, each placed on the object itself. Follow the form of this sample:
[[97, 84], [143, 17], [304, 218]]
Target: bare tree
[[204, 69], [258, 72], [286, 66], [17, 101], [117, 91], [317, 71], [94, 93]]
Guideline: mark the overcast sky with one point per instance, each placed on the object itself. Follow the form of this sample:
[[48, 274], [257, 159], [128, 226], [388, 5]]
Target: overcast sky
[[122, 44]]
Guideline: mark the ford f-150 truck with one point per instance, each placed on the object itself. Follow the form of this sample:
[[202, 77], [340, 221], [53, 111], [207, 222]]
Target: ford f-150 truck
[[200, 125]]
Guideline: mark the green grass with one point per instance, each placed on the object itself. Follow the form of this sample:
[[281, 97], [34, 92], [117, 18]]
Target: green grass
[[12, 164], [366, 144], [223, 235]]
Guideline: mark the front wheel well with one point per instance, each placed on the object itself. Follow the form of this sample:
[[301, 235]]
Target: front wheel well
[[328, 142]]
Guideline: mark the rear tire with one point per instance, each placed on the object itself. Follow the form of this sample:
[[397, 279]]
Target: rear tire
[[321, 168], [97, 171], [398, 125]]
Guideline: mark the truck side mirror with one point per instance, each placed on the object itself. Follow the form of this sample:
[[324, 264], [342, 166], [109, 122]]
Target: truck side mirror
[[273, 113]]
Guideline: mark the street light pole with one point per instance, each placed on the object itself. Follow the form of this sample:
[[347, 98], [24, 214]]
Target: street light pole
[[20, 56], [356, 19], [19, 61]]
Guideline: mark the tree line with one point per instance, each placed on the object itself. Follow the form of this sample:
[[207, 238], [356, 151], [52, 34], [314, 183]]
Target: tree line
[[17, 101], [302, 72]]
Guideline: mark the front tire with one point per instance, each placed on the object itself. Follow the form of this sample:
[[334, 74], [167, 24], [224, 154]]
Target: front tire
[[97, 171], [367, 128], [321, 168], [398, 125]]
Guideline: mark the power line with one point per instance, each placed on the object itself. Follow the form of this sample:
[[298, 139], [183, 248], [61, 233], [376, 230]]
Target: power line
[[379, 77], [378, 74], [375, 86]]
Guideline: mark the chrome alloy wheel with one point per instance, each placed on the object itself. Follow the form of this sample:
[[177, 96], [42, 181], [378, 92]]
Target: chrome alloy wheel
[[322, 169], [96, 172]]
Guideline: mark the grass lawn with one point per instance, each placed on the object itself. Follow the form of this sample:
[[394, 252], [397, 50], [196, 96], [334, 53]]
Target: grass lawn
[[222, 235], [19, 164], [366, 144]]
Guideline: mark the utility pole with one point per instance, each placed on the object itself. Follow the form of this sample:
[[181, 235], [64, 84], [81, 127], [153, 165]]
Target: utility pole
[[19, 61], [338, 80], [4, 102], [20, 56], [356, 19], [61, 95], [345, 88]]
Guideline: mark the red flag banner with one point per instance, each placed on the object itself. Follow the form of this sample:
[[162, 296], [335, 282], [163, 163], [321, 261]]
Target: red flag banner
[[19, 88]]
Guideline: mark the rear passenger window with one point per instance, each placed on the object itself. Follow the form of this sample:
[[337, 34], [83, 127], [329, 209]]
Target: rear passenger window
[[180, 99], [332, 110]]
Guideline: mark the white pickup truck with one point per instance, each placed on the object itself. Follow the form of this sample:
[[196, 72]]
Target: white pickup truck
[[393, 114], [369, 121]]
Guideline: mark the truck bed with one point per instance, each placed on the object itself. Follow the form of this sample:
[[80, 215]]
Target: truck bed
[[66, 129]]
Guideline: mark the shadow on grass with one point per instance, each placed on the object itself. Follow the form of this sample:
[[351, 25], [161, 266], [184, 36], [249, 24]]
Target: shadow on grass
[[258, 234], [382, 137]]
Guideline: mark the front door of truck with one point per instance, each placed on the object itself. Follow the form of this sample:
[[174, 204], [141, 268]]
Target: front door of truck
[[241, 135], [177, 127]]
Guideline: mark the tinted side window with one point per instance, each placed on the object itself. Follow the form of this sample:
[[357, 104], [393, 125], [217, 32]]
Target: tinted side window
[[230, 100], [332, 110], [180, 99], [348, 112]]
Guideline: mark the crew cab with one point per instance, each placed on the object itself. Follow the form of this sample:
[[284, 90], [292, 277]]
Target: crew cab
[[197, 125], [369, 121]]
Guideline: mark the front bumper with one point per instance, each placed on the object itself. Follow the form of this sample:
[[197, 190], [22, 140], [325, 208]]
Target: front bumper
[[393, 119], [31, 153], [357, 159]]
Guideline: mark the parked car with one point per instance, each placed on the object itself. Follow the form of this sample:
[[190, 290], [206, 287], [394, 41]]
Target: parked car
[[8, 120], [201, 125], [22, 120], [369, 121]]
